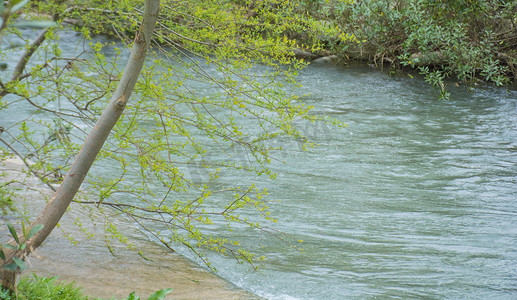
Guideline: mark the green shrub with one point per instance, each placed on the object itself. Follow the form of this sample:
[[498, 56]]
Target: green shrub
[[6, 201], [468, 40], [43, 288]]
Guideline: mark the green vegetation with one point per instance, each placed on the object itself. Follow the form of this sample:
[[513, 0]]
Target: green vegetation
[[201, 109], [19, 244], [468, 41], [6, 201], [200, 112], [43, 288]]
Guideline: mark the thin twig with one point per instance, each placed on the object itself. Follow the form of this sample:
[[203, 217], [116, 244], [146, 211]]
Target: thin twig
[[29, 51], [28, 165]]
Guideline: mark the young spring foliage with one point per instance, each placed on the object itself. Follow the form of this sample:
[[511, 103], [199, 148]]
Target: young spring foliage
[[214, 105]]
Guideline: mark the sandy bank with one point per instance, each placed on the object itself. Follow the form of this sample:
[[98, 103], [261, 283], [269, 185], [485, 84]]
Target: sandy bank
[[91, 265], [103, 275]]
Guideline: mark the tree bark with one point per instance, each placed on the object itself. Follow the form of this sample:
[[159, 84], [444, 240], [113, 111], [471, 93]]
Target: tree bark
[[62, 198]]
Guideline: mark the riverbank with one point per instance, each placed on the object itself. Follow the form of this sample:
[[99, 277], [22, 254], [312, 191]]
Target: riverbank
[[469, 43], [101, 274], [91, 266]]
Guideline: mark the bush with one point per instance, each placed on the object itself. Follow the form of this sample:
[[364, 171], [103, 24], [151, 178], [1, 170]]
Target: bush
[[465, 39]]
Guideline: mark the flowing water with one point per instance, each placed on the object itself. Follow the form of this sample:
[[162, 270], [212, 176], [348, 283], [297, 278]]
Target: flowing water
[[416, 198]]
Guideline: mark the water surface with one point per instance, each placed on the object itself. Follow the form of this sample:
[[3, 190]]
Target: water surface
[[417, 198]]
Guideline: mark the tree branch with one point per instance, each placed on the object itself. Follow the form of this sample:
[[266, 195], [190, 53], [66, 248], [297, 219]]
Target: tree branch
[[58, 204], [26, 163], [22, 62]]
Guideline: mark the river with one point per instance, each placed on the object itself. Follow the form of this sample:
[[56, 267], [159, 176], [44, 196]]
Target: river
[[416, 198]]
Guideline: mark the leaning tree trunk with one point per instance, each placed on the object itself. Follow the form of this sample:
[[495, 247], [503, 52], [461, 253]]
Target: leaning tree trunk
[[56, 207]]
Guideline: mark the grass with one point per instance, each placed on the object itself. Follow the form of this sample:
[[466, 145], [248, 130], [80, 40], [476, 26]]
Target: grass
[[44, 288]]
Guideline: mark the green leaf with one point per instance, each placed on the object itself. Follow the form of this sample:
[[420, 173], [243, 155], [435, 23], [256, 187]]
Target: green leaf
[[2, 254], [10, 247], [17, 4], [159, 294], [35, 230], [132, 296], [5, 294], [23, 228], [20, 263], [34, 24], [22, 246], [13, 232], [11, 267]]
